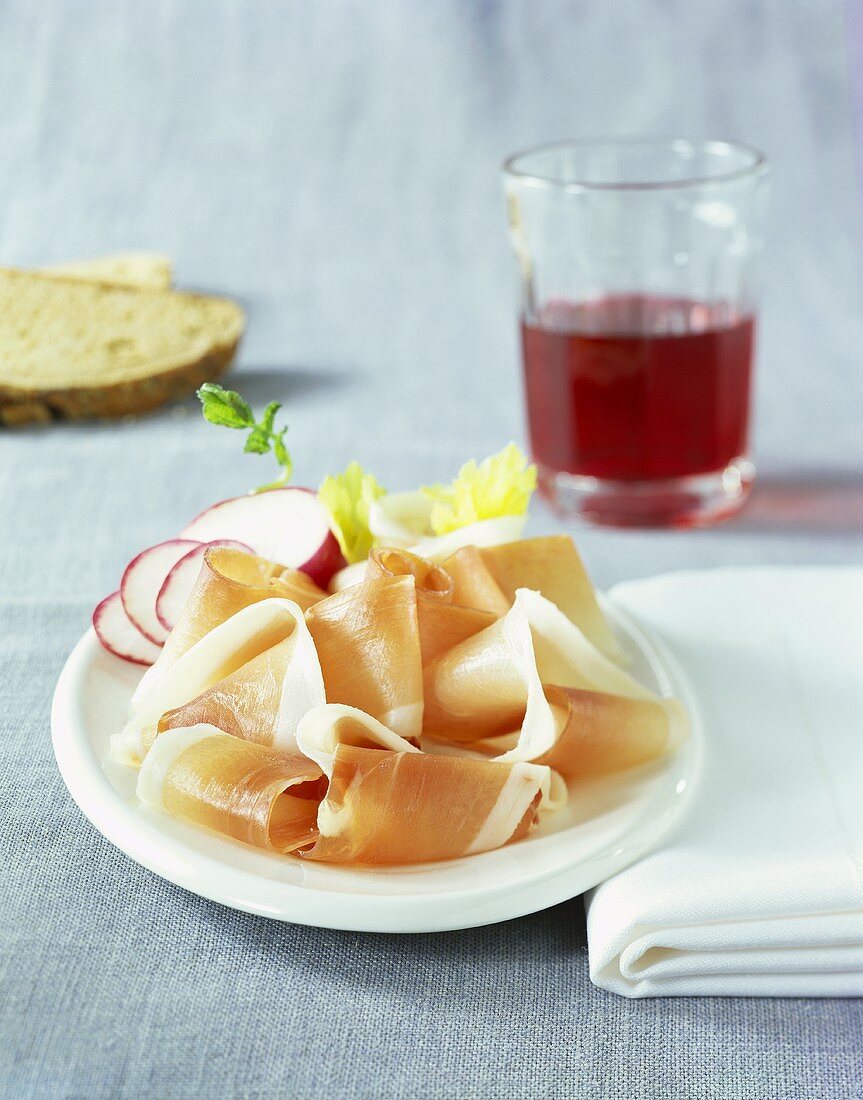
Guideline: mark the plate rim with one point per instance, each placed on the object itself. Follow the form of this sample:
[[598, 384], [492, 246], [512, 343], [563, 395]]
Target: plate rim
[[441, 910]]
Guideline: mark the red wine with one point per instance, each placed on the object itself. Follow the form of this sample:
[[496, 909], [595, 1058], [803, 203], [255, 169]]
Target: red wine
[[638, 387]]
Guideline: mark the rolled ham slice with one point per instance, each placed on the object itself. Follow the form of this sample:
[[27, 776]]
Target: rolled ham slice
[[219, 654], [533, 685], [474, 584], [358, 794], [566, 656], [389, 803], [435, 548], [245, 791], [598, 733], [397, 561], [229, 581], [430, 581], [442, 624], [368, 644], [479, 688], [488, 577], [264, 700]]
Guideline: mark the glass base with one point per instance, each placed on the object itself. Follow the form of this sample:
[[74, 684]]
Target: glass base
[[696, 501]]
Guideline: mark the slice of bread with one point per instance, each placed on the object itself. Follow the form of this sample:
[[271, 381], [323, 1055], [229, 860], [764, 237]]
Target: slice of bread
[[144, 270], [77, 349]]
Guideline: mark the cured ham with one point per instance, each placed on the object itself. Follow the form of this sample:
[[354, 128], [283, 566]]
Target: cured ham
[[566, 656], [474, 584], [389, 803], [229, 581], [598, 733], [435, 548], [442, 623], [243, 790], [431, 710], [359, 793], [219, 654], [532, 687], [431, 581], [488, 578], [264, 699], [367, 639], [479, 688]]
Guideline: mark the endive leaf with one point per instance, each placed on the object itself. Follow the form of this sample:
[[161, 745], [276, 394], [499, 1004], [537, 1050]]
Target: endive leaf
[[348, 497], [501, 485]]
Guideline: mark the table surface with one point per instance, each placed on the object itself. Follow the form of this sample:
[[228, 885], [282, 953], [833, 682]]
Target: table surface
[[335, 167]]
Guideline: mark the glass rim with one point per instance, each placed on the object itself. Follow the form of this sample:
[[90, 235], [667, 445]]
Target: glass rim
[[758, 166]]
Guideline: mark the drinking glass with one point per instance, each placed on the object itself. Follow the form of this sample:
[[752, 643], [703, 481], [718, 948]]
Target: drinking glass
[[639, 287]]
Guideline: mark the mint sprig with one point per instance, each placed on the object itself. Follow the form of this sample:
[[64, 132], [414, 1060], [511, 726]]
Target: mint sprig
[[226, 409]]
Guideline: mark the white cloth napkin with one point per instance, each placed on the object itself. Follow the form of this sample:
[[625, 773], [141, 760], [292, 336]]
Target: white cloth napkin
[[759, 891]]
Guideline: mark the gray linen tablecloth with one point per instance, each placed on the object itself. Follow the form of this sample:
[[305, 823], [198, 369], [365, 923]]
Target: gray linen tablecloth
[[334, 166]]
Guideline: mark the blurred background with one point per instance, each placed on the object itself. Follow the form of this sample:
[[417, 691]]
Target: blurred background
[[335, 167]]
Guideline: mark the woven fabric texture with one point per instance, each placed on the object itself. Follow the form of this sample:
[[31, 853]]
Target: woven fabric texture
[[334, 165]]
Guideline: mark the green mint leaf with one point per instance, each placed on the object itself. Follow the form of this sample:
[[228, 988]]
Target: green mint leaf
[[269, 416], [225, 408], [258, 442]]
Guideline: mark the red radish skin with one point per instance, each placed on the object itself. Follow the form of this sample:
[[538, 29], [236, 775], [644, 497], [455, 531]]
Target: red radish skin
[[144, 576], [119, 635], [325, 563], [329, 559], [178, 585], [289, 526]]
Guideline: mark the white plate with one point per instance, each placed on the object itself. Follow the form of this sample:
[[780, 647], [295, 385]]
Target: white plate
[[609, 823]]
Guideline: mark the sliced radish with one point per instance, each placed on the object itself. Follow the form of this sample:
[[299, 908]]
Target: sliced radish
[[328, 560], [145, 574], [177, 586], [119, 635], [289, 526]]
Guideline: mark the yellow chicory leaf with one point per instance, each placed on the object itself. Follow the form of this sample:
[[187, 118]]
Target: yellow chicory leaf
[[501, 485], [347, 497]]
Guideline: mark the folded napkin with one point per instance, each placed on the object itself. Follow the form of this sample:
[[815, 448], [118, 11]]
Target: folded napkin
[[759, 891]]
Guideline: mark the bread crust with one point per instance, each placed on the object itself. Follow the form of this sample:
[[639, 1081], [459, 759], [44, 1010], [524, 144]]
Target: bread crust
[[129, 397], [153, 386]]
